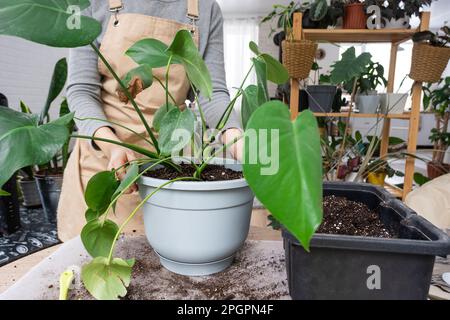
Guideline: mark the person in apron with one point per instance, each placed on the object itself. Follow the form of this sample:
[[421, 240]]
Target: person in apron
[[123, 30]]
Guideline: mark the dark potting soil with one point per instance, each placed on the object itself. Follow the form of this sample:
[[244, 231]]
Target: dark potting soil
[[211, 173], [345, 217]]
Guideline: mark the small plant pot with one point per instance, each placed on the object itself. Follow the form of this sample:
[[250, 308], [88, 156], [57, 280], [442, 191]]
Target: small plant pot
[[30, 193], [354, 16], [321, 97], [354, 268], [10, 208], [393, 103], [196, 228], [428, 62], [298, 57], [376, 178], [49, 187], [368, 103], [435, 169]]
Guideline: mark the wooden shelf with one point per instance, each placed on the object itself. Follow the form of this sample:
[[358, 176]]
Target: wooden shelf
[[405, 116], [359, 35]]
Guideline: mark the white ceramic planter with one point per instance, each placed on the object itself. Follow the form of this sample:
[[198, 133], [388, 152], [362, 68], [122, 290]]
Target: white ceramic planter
[[393, 102], [367, 103], [196, 228]]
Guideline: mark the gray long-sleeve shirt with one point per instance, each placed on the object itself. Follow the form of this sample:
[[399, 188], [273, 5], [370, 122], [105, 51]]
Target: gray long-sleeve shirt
[[84, 81]]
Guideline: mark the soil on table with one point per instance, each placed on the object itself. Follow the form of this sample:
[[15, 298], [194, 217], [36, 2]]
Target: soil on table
[[258, 273], [211, 173], [345, 217]]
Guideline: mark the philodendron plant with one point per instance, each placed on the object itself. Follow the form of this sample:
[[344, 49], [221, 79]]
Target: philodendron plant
[[292, 191]]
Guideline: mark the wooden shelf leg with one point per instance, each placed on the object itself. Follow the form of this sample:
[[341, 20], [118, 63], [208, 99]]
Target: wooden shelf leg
[[295, 93], [412, 138]]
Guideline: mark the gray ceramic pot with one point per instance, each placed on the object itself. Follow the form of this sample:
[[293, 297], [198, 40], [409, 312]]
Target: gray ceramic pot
[[196, 228], [30, 193], [49, 190], [368, 103]]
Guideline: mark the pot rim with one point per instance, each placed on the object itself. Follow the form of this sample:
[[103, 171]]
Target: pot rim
[[200, 185]]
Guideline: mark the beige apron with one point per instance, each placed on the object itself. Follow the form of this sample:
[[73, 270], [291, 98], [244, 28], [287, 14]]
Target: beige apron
[[122, 32]]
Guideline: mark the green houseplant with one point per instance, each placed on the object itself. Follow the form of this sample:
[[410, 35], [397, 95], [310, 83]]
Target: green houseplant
[[437, 100], [106, 277]]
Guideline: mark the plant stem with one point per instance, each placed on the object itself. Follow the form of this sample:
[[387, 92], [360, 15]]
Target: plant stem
[[130, 98], [167, 81], [165, 89], [131, 216]]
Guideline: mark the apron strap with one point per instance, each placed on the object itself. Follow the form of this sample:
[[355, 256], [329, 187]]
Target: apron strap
[[193, 12]]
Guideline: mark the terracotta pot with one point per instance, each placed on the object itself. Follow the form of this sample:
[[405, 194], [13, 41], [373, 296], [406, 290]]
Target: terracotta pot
[[435, 169], [376, 178], [355, 16]]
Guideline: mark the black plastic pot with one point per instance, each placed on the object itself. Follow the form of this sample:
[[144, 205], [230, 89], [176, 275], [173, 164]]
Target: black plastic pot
[[49, 187], [350, 267], [10, 208], [30, 193], [321, 97]]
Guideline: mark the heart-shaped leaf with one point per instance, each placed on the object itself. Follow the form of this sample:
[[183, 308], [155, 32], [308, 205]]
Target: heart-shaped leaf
[[92, 214], [107, 281], [151, 52], [98, 237], [131, 175], [100, 190], [49, 22], [254, 48], [136, 80], [184, 50], [159, 115], [290, 187], [276, 72], [24, 142], [176, 131], [350, 66], [249, 103]]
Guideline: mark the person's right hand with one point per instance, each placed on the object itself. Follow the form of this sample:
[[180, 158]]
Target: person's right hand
[[118, 156]]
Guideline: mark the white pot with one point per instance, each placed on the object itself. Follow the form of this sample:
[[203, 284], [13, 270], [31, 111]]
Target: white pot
[[196, 228], [393, 103], [367, 103]]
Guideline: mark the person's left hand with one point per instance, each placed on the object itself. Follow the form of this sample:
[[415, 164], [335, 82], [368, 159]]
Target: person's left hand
[[236, 149]]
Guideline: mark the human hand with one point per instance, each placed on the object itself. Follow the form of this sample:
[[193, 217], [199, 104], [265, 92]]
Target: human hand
[[237, 148]]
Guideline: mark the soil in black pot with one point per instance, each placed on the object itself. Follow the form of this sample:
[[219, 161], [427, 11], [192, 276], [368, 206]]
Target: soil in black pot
[[211, 173], [345, 217]]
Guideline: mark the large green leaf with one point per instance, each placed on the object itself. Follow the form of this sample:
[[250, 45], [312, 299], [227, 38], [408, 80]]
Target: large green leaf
[[350, 66], [184, 50], [276, 72], [100, 190], [159, 115], [59, 78], [177, 128], [24, 143], [47, 22], [292, 190], [249, 103], [319, 9], [98, 237], [151, 52], [107, 281]]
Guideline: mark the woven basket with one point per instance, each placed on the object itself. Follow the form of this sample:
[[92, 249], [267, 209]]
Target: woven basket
[[428, 62], [298, 57]]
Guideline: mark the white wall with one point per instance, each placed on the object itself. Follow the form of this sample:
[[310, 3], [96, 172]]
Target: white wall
[[25, 72]]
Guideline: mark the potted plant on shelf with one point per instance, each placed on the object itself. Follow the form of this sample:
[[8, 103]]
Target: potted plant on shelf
[[438, 100], [431, 52], [354, 15], [396, 14], [367, 99], [321, 96], [377, 171]]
